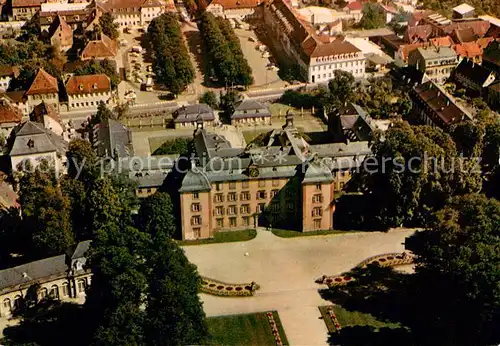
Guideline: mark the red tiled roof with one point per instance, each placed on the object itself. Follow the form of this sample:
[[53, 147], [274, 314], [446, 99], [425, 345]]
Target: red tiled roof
[[9, 113], [468, 49], [417, 16], [314, 48], [480, 27], [43, 83], [419, 33], [27, 3], [442, 41], [354, 6], [103, 48], [235, 4], [9, 71], [120, 4], [464, 35], [66, 31], [484, 42], [408, 48], [88, 84]]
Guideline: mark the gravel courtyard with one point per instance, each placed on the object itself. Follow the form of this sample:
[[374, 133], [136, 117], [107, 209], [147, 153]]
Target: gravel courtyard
[[286, 269]]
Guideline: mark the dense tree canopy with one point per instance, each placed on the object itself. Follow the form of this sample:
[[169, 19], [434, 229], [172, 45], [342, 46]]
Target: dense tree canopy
[[108, 26], [458, 273], [156, 215], [171, 64], [373, 17], [481, 6], [107, 67], [226, 61], [209, 98]]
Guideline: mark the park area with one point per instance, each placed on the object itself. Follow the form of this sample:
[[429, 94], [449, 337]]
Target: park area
[[251, 329]]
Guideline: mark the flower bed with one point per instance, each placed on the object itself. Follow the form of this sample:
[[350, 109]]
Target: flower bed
[[384, 260], [222, 289], [274, 329], [335, 321]]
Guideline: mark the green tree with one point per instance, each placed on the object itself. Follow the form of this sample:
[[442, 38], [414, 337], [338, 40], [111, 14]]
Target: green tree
[[340, 90], [108, 26], [105, 205], [174, 312], [46, 213], [119, 281], [209, 98], [106, 66], [373, 17], [82, 159], [156, 215], [457, 272]]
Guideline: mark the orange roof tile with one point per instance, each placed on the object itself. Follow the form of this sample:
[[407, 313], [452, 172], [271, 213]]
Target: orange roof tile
[[468, 49], [9, 113], [419, 33], [445, 41], [406, 49], [354, 6], [66, 30], [484, 42], [235, 4], [88, 84], [103, 48], [27, 3], [43, 83]]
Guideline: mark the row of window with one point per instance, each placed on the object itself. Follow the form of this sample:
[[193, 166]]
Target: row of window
[[245, 184], [87, 104], [43, 96], [44, 293], [245, 195], [339, 65]]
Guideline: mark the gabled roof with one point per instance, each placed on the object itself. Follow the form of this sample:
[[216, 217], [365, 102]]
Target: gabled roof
[[32, 138], [463, 8], [354, 6], [45, 109], [88, 84], [473, 72], [480, 27], [190, 113], [100, 49], [113, 138], [464, 35], [129, 4], [468, 49], [61, 24], [9, 113], [442, 41], [43, 83], [419, 33], [235, 4]]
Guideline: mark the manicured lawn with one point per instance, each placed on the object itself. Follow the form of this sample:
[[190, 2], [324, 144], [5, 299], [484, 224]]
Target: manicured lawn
[[283, 233], [223, 237], [251, 329], [157, 142], [353, 318], [250, 134]]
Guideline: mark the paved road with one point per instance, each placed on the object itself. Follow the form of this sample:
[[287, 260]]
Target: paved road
[[286, 269]]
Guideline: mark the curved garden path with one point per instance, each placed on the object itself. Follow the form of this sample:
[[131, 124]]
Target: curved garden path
[[286, 270]]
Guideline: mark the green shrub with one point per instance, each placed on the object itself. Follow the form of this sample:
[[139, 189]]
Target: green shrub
[[175, 146]]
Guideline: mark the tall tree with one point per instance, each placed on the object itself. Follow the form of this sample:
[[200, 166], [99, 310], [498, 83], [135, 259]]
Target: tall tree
[[457, 273], [156, 215], [108, 26], [174, 312], [340, 90], [373, 17]]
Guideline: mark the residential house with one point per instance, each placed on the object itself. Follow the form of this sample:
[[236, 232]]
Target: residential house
[[435, 62], [418, 34], [354, 10], [104, 48], [478, 26], [473, 77], [111, 138], [435, 107], [133, 13], [43, 88], [191, 115], [464, 11], [63, 277], [32, 144], [389, 11], [18, 99], [316, 56], [78, 19], [445, 41], [10, 116], [49, 117], [491, 56], [404, 50], [248, 112], [25, 9], [470, 51], [61, 34], [86, 92], [464, 35], [240, 9], [415, 18], [7, 73]]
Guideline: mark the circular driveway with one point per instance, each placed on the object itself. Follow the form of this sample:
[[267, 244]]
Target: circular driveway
[[285, 269]]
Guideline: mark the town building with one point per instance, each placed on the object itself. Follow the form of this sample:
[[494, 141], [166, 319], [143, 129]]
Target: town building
[[50, 118], [435, 107], [248, 112], [469, 51], [435, 62], [463, 11], [111, 138], [418, 34], [60, 34], [32, 144], [279, 180], [317, 56], [63, 277], [25, 9], [19, 99], [78, 19], [354, 10], [473, 77], [240, 9], [10, 116], [133, 13], [43, 88], [317, 15], [103, 48], [190, 116], [7, 73], [491, 57], [389, 11], [86, 92]]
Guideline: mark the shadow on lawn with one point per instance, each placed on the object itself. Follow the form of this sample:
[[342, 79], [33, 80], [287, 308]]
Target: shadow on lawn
[[368, 336], [50, 323]]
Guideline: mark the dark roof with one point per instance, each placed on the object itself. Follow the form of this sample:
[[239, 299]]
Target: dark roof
[[32, 138], [249, 109], [419, 33], [492, 53], [190, 113], [42, 109], [31, 272], [81, 249], [465, 35], [195, 180], [113, 138], [473, 72]]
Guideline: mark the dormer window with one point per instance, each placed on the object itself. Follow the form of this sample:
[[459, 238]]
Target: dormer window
[[80, 87], [76, 17], [49, 19], [94, 86]]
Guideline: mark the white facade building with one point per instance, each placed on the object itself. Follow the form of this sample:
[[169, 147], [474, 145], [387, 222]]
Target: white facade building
[[86, 92]]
